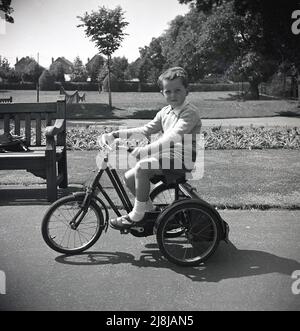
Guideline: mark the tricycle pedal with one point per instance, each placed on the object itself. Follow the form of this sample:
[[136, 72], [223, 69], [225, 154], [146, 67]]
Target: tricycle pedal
[[125, 231]]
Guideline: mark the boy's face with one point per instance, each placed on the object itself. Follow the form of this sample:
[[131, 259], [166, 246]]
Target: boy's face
[[174, 92]]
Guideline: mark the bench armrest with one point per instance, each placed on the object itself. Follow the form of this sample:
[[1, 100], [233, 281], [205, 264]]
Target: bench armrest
[[57, 128]]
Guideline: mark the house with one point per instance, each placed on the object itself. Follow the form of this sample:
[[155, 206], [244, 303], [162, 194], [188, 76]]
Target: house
[[97, 60], [93, 66], [67, 65], [23, 63]]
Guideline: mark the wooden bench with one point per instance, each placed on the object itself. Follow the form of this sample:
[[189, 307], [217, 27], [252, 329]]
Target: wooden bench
[[47, 157], [6, 100]]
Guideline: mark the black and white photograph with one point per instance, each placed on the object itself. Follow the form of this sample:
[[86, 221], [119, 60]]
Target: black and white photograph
[[149, 158]]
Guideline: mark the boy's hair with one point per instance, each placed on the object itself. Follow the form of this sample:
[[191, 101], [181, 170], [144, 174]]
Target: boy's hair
[[172, 73]]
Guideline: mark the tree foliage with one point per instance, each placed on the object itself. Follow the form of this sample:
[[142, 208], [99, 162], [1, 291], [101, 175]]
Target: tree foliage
[[180, 44], [95, 67], [105, 27], [151, 61], [7, 73], [5, 6], [47, 81], [57, 70], [119, 67], [276, 39], [32, 72], [4, 67], [79, 73]]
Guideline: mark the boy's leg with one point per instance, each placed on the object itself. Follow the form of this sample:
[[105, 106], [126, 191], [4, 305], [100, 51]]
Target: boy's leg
[[130, 180], [143, 171]]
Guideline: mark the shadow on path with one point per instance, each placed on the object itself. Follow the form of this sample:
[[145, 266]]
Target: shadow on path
[[27, 196], [242, 98], [228, 262], [290, 113]]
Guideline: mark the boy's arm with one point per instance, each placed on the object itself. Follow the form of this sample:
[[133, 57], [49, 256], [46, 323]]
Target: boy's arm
[[188, 120], [147, 130]]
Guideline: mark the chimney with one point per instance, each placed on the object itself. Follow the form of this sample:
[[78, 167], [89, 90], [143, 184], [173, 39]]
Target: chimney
[[17, 60], [52, 60]]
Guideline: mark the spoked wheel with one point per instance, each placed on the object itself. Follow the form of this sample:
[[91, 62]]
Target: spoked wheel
[[59, 231], [198, 240], [163, 196]]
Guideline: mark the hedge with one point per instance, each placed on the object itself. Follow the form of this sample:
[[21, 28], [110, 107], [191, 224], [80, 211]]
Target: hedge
[[124, 87], [17, 86]]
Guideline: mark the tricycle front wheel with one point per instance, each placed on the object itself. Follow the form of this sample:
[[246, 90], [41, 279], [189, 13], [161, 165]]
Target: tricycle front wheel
[[57, 229]]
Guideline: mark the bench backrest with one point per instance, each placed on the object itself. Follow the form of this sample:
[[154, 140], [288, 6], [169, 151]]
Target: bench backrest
[[29, 119]]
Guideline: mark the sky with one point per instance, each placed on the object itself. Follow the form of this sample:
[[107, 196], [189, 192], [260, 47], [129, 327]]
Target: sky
[[48, 28]]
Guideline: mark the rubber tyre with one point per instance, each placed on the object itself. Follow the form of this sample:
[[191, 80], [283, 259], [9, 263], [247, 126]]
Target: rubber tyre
[[53, 208], [160, 189], [174, 209]]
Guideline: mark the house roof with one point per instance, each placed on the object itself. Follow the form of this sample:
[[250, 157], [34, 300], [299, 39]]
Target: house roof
[[63, 59], [67, 65], [92, 60], [24, 60]]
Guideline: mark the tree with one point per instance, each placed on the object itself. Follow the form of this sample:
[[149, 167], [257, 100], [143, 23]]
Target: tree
[[277, 40], [179, 44], [254, 68], [114, 83], [234, 43], [32, 72], [47, 81], [105, 27], [4, 67], [132, 69], [119, 67], [79, 73], [94, 66], [151, 62], [230, 44], [5, 6], [57, 70]]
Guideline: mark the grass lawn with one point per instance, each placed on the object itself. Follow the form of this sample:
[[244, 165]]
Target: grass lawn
[[145, 105], [232, 178]]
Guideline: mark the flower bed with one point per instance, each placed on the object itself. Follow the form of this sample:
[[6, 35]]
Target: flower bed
[[215, 138]]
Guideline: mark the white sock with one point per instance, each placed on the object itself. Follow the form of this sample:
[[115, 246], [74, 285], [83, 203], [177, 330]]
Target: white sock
[[149, 206], [138, 211]]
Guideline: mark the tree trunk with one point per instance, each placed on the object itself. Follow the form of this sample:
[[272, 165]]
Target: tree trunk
[[298, 91], [109, 82], [254, 91], [284, 84]]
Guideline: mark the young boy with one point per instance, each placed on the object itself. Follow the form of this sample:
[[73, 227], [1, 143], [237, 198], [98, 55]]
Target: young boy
[[177, 121]]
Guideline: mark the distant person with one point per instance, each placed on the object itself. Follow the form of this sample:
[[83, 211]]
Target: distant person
[[175, 121]]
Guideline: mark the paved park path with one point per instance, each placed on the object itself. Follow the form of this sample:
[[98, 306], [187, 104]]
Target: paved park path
[[254, 272], [119, 273]]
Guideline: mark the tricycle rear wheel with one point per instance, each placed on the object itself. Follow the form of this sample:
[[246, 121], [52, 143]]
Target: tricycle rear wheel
[[200, 233]]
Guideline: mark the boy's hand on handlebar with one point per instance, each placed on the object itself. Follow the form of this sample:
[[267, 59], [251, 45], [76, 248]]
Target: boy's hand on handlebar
[[106, 139], [136, 152]]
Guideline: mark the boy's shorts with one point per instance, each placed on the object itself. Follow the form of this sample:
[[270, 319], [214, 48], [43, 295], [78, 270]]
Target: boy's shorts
[[172, 170]]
